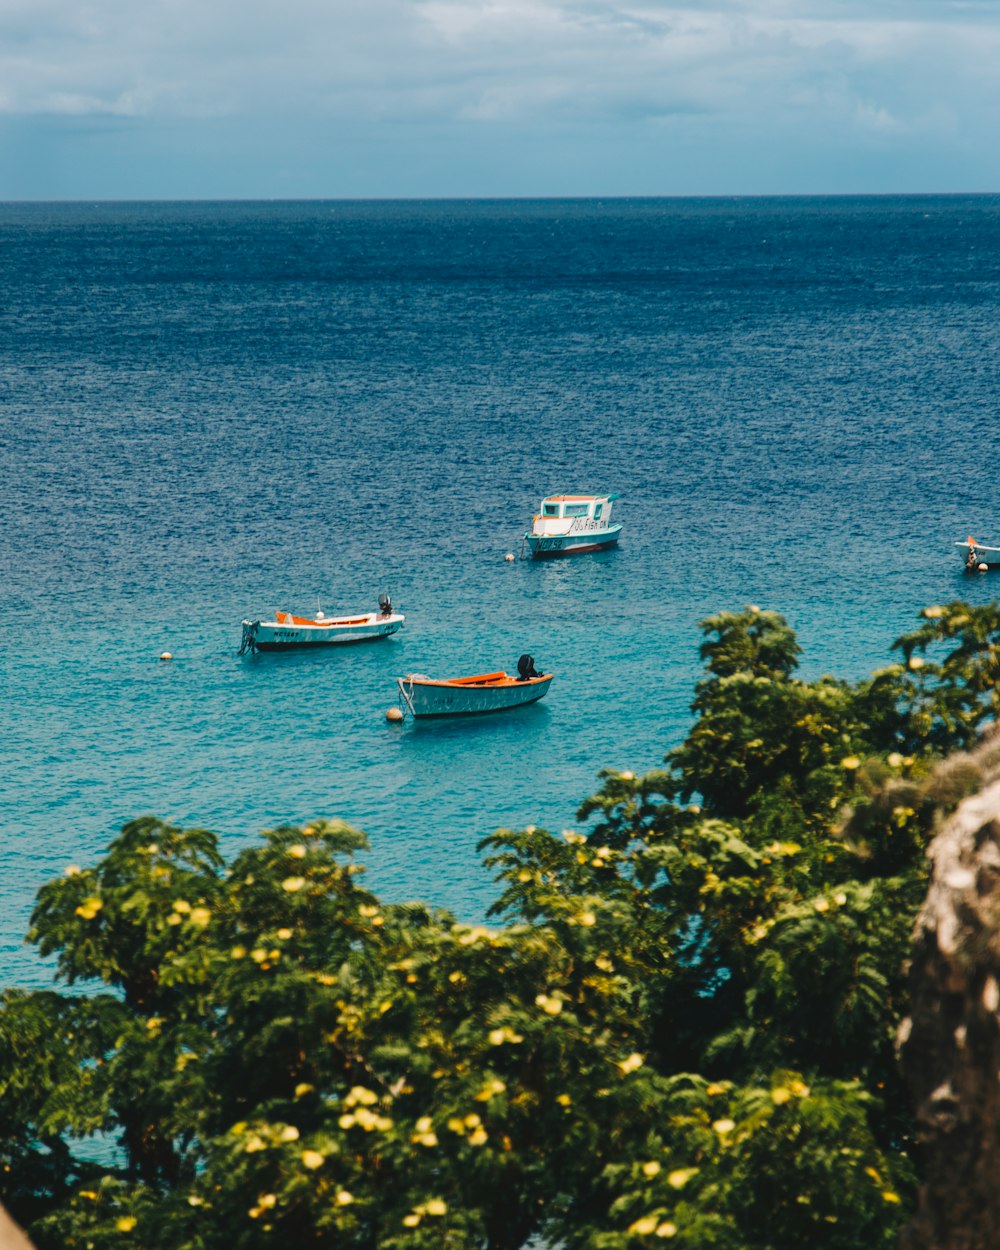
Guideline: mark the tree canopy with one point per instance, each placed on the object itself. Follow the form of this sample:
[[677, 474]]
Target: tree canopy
[[677, 1025]]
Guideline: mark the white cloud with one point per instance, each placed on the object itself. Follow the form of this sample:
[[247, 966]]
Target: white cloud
[[472, 58], [836, 72]]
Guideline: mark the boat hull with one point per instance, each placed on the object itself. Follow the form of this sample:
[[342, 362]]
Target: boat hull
[[275, 636], [423, 697], [546, 546]]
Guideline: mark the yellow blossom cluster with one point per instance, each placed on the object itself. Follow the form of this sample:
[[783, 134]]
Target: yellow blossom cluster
[[551, 1004], [652, 1225], [497, 1037], [433, 1206], [471, 1125], [490, 1090], [423, 1132]]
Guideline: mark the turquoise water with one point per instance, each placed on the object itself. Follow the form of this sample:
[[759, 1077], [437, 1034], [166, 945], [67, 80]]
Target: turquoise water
[[211, 410]]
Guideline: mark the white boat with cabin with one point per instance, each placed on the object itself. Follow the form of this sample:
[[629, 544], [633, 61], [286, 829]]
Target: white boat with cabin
[[568, 524], [288, 632]]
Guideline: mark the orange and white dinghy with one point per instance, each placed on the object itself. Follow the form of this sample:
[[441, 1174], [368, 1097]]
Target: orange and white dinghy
[[465, 696], [287, 632]]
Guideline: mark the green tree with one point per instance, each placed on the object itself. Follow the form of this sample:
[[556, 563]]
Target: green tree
[[677, 1026]]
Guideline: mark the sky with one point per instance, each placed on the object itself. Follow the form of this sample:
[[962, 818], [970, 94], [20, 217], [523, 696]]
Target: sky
[[315, 99]]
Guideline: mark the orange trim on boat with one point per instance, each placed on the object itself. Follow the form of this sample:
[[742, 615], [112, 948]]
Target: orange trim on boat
[[286, 618]]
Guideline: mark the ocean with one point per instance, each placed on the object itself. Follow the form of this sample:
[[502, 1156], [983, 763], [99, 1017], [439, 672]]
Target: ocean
[[212, 410]]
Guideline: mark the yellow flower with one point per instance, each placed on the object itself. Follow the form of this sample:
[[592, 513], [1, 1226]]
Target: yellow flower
[[549, 1004], [266, 1200], [200, 916], [679, 1177], [564, 1100], [497, 1037], [289, 1133], [478, 1137], [630, 1064], [312, 1159], [284, 934], [714, 1089], [644, 1226], [411, 1221], [254, 1144], [456, 1124], [916, 661], [724, 1126], [343, 1198], [238, 952], [291, 884], [889, 1195], [821, 905], [89, 908], [126, 1223], [651, 1168], [361, 1094], [850, 762], [894, 760], [258, 955], [72, 870], [587, 918], [194, 1200], [666, 1229], [780, 1095], [799, 1088], [298, 851], [435, 1206]]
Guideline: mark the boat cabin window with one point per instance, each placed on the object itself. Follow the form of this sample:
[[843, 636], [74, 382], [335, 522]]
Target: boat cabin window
[[575, 509], [598, 509], [550, 509]]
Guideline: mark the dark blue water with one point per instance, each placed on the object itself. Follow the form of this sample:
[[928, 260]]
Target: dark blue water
[[210, 410]]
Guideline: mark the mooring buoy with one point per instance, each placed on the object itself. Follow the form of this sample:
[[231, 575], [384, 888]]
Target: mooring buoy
[[393, 714], [166, 655]]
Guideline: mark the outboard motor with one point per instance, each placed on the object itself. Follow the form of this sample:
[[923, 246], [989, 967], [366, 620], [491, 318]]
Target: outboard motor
[[385, 604], [526, 668]]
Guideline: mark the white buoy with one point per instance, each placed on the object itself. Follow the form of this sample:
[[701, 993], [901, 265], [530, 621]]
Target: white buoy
[[166, 655], [509, 557], [393, 714], [983, 567]]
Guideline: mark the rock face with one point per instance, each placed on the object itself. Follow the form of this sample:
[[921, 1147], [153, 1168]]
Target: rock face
[[11, 1237], [950, 1045]]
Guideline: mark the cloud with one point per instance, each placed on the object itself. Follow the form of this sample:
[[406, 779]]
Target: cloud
[[474, 59], [735, 75]]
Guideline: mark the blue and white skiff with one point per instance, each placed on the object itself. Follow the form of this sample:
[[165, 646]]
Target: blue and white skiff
[[464, 696]]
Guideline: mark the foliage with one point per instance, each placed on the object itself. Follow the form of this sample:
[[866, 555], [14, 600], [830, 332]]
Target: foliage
[[679, 1026]]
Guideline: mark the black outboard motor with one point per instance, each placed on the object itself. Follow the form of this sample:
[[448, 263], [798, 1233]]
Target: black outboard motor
[[385, 604], [526, 669]]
